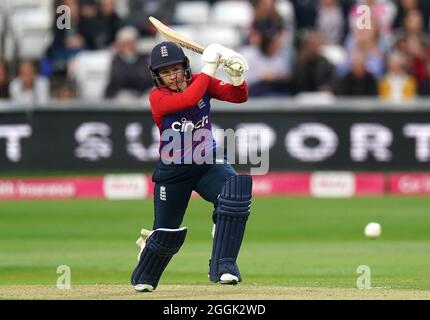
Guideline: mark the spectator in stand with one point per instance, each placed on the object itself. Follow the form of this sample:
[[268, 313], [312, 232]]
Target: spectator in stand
[[270, 57], [313, 72], [29, 87], [330, 22], [64, 90], [358, 81], [98, 23], [424, 85], [265, 12], [397, 86], [417, 54], [414, 25], [66, 44], [89, 26], [366, 41], [4, 80], [140, 10], [405, 6], [129, 75], [305, 14], [110, 19]]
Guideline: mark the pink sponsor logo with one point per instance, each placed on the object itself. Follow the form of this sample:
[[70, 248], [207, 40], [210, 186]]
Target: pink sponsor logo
[[34, 189], [410, 183], [332, 184], [47, 188], [281, 184], [262, 186], [140, 186], [369, 184], [127, 186]]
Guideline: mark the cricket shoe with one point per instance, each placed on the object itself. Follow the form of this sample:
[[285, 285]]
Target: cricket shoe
[[228, 278], [141, 287]]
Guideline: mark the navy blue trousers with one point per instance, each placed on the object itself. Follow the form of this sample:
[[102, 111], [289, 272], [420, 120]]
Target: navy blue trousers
[[175, 183]]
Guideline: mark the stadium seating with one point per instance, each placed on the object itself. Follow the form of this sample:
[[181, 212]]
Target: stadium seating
[[31, 32], [192, 12], [286, 10], [27, 24], [188, 31], [12, 6], [121, 8], [225, 35], [145, 44], [92, 73], [2, 29], [233, 13]]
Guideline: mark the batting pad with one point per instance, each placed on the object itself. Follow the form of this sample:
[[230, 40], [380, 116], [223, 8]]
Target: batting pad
[[230, 217], [159, 248]]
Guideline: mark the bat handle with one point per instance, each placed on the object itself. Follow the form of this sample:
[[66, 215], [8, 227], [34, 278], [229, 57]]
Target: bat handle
[[223, 62], [145, 232], [228, 63]]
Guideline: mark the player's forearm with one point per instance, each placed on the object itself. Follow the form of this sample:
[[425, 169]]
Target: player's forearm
[[227, 92], [237, 94]]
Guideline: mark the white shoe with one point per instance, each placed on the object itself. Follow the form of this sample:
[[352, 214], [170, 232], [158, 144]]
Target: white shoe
[[228, 278], [143, 288]]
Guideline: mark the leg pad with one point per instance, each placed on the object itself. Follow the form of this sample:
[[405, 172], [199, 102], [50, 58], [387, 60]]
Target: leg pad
[[230, 217], [159, 249]]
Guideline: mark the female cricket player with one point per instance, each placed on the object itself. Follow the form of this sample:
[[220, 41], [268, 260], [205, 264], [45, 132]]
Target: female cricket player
[[180, 105]]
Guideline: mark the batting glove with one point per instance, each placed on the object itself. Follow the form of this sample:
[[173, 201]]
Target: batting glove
[[235, 65], [210, 57]]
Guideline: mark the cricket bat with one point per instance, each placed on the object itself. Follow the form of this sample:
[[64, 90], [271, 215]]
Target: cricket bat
[[175, 37], [186, 43]]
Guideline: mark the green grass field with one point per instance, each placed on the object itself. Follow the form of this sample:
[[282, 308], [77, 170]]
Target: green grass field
[[313, 244]]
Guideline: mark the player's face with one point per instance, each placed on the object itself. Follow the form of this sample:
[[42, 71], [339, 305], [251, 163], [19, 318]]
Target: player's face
[[174, 77]]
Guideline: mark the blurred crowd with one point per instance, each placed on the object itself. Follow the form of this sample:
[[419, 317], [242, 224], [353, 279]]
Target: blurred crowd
[[331, 47]]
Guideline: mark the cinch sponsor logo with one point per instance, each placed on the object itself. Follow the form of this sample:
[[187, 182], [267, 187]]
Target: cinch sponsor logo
[[185, 125], [410, 184]]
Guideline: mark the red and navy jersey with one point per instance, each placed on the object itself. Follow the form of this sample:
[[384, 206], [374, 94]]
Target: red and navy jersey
[[190, 109]]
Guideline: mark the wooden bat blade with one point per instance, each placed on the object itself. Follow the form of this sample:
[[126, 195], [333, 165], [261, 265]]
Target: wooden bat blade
[[184, 42], [174, 36]]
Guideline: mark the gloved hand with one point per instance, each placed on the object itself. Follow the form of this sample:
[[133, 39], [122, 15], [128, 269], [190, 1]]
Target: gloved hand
[[235, 65], [210, 57]]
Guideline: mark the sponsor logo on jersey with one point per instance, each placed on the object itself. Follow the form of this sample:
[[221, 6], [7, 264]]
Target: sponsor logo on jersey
[[201, 104], [185, 125]]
